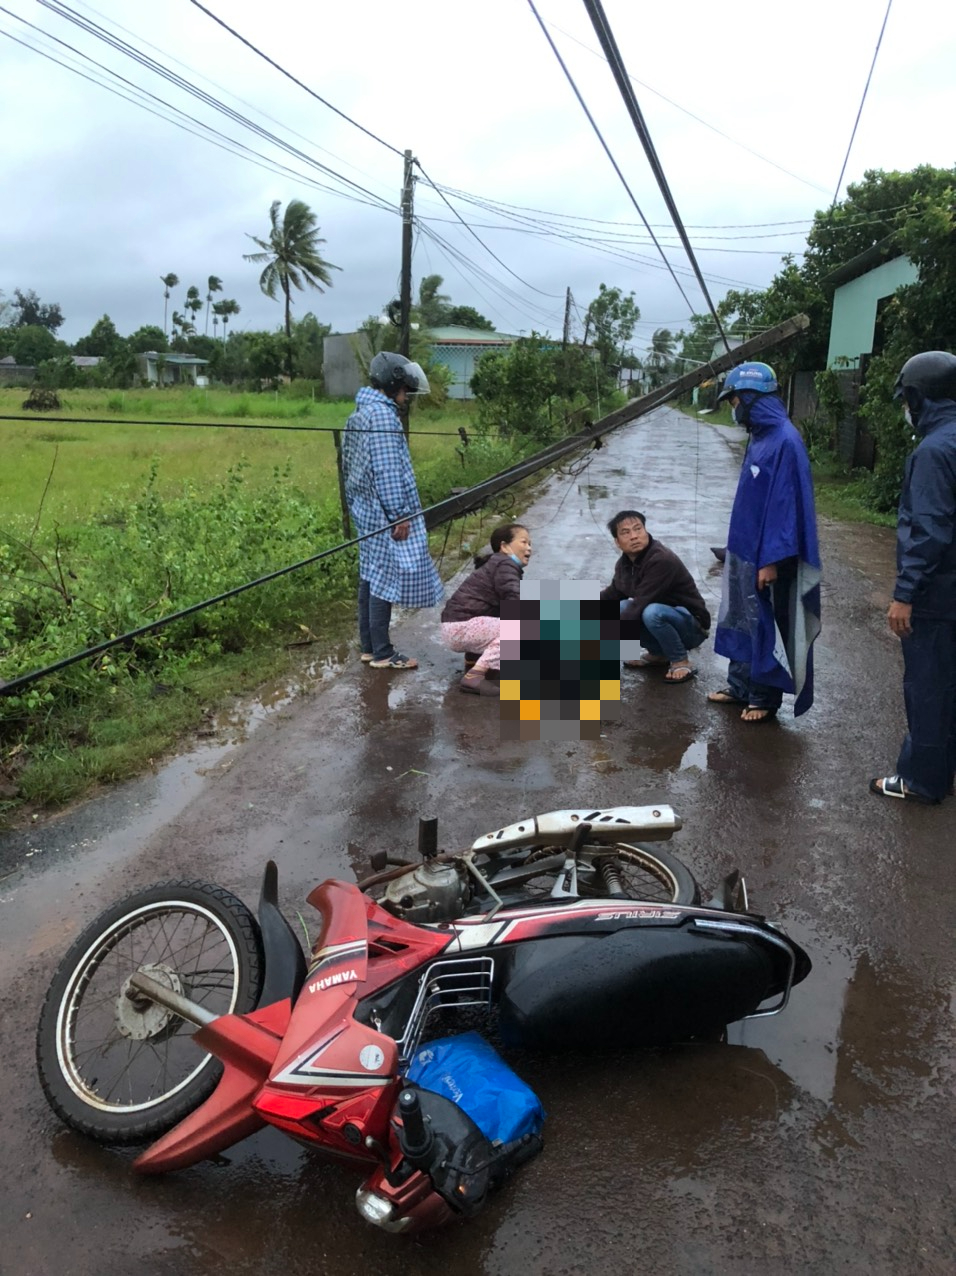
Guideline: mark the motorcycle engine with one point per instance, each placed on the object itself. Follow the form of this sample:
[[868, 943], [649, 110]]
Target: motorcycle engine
[[430, 892]]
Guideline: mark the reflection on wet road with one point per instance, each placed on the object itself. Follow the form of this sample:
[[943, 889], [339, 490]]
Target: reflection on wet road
[[818, 1141]]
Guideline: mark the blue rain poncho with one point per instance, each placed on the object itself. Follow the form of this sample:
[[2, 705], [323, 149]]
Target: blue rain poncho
[[773, 521]]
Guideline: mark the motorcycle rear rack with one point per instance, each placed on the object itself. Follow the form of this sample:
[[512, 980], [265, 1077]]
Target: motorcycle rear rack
[[461, 981], [755, 932]]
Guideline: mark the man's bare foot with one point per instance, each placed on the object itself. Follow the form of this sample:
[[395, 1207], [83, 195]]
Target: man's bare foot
[[754, 714], [680, 671]]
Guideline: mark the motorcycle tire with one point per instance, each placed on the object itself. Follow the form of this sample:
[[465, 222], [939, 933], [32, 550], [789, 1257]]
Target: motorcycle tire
[[120, 1068], [646, 873]]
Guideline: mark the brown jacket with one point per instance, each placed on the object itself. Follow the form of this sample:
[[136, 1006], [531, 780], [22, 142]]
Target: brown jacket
[[656, 575], [480, 594]]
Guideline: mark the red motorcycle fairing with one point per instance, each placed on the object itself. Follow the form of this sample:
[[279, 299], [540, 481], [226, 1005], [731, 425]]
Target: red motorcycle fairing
[[312, 1070]]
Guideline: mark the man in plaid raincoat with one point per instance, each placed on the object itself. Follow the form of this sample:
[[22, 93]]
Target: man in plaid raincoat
[[394, 564]]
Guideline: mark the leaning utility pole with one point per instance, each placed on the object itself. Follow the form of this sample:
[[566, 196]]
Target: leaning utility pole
[[405, 294]]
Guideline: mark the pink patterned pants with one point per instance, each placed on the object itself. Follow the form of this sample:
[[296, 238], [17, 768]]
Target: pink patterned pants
[[481, 633]]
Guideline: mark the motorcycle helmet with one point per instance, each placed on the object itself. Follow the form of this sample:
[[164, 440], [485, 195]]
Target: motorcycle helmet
[[748, 376], [391, 372], [930, 375]]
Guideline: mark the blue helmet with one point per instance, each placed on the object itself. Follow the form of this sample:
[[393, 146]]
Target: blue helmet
[[749, 376]]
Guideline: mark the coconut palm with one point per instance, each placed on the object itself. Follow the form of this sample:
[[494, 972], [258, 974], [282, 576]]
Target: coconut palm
[[168, 281], [213, 284], [291, 258]]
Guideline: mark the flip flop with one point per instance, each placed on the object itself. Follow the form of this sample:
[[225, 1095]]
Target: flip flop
[[768, 715], [892, 786], [687, 674], [724, 696]]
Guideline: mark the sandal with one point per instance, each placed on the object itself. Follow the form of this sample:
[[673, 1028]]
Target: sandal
[[680, 673], [724, 696], [766, 715], [481, 685], [366, 657], [892, 786], [395, 661], [646, 662]]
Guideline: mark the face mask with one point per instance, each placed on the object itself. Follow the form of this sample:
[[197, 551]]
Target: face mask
[[515, 559], [908, 416]]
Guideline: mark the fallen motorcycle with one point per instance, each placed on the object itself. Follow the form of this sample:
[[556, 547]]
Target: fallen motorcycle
[[568, 925]]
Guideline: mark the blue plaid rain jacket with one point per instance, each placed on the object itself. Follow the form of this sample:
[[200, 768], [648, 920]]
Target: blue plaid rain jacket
[[380, 488]]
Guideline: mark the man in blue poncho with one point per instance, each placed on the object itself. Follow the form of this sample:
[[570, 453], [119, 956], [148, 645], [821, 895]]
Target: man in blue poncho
[[923, 611], [394, 565], [770, 605]]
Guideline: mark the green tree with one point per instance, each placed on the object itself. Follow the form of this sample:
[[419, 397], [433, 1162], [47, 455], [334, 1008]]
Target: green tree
[[34, 344], [102, 339], [433, 305], [308, 336], [193, 303], [213, 284], [291, 258], [468, 317], [169, 282], [30, 312], [609, 326], [149, 337], [266, 357]]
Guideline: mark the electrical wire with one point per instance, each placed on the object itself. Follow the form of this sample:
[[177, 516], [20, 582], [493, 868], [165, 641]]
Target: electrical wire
[[866, 89], [606, 37], [218, 425], [209, 134], [288, 74], [607, 151]]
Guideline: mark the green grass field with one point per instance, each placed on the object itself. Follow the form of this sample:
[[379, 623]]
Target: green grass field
[[80, 467]]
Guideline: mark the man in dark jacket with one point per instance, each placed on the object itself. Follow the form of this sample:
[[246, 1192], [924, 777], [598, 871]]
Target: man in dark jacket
[[658, 594], [923, 611]]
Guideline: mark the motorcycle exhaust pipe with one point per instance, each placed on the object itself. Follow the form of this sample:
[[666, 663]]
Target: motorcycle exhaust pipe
[[152, 990]]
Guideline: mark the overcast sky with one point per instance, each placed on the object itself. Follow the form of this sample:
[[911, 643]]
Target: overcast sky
[[101, 197]]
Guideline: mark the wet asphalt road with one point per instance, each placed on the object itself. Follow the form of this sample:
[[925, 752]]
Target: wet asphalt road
[[819, 1141]]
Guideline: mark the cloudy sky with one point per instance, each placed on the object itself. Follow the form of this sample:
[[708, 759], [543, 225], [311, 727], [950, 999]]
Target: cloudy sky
[[750, 107]]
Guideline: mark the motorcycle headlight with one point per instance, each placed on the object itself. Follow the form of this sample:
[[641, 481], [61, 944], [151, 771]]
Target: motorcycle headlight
[[375, 1209]]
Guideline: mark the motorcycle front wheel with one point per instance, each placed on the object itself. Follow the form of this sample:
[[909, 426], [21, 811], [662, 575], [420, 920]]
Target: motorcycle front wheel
[[115, 1065]]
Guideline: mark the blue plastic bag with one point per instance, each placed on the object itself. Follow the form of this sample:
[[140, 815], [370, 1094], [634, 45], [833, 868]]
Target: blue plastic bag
[[470, 1072]]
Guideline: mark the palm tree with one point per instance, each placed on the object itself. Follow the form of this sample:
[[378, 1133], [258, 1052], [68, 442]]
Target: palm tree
[[193, 303], [660, 354], [213, 284], [227, 307], [168, 281], [291, 258]]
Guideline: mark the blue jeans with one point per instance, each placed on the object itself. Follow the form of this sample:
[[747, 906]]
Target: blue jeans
[[669, 631], [374, 618]]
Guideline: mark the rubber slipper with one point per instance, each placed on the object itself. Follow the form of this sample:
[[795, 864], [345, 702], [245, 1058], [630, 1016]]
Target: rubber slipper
[[482, 686], [366, 657], [892, 786], [646, 662], [768, 715], [724, 696], [687, 674]]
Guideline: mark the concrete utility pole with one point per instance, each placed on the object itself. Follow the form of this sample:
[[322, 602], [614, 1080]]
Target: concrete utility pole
[[405, 294]]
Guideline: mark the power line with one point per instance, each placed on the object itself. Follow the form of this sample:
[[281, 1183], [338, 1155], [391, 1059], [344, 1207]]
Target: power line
[[616, 62], [471, 231], [713, 128], [607, 151], [288, 74], [866, 87]]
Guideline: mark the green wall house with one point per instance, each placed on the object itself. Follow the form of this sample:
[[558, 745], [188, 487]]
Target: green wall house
[[863, 285]]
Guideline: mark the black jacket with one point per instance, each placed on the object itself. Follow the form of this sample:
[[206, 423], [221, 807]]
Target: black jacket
[[656, 575], [926, 530]]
